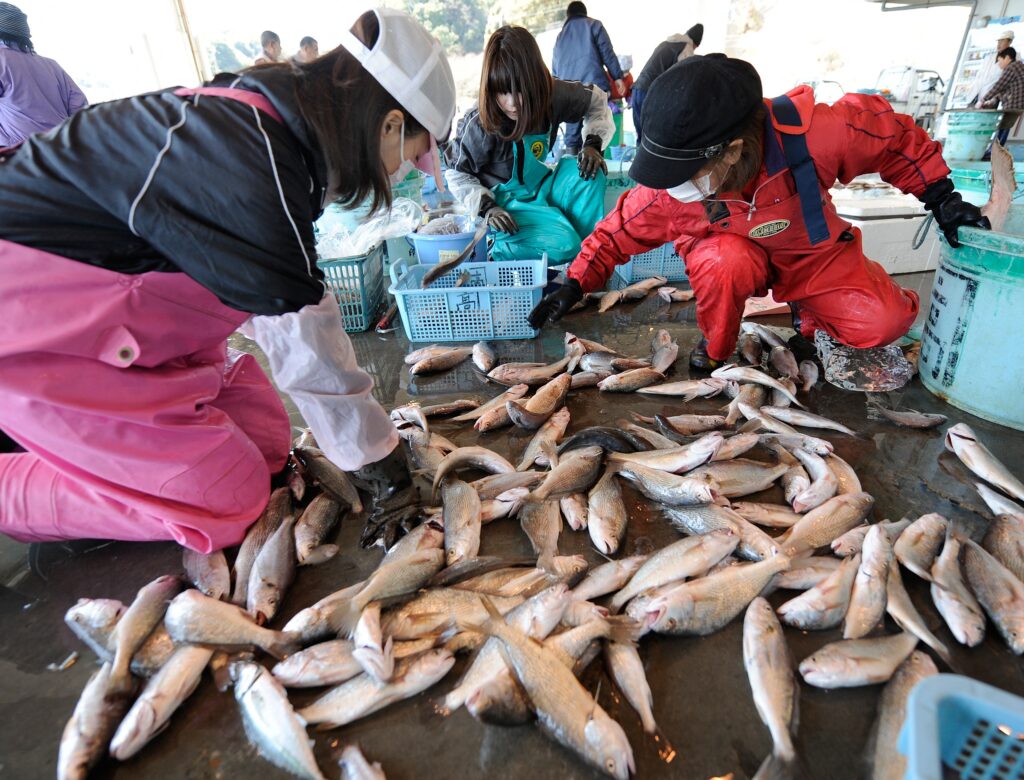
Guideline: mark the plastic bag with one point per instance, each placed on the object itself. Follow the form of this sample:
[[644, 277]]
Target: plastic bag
[[874, 370], [336, 239]]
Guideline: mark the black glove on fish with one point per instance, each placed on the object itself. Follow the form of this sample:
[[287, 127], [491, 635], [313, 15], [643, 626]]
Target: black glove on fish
[[556, 305], [496, 217], [590, 159], [951, 212]]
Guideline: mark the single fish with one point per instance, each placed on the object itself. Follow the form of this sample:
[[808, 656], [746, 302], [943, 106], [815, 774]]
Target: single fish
[[1004, 541], [631, 380], [440, 609], [784, 362], [325, 663], [471, 457], [952, 598], [962, 441], [851, 663], [137, 623], [663, 351], [650, 439], [608, 577], [272, 573], [998, 503], [576, 472], [754, 544], [736, 445], [739, 477], [773, 684], [272, 726], [808, 370], [768, 336], [330, 478], [825, 523], [411, 413], [807, 572], [606, 514], [794, 482], [748, 374], [427, 449], [550, 432], [354, 766], [498, 402], [887, 762], [434, 350], [687, 424], [574, 510], [867, 603], [198, 619], [565, 710], [587, 379], [462, 521], [363, 695], [852, 542], [688, 389], [750, 348], [902, 610], [907, 419], [485, 356], [703, 606], [677, 459], [1003, 188], [920, 542], [587, 344], [208, 572], [532, 413], [94, 622], [442, 362], [848, 480], [372, 652], [494, 485], [317, 521], [768, 515], [607, 438], [627, 670], [798, 441], [529, 373], [806, 419], [823, 606], [666, 487], [99, 710], [610, 362], [753, 396], [541, 521], [999, 592], [824, 484], [163, 693], [675, 295], [689, 557], [780, 399], [440, 269]]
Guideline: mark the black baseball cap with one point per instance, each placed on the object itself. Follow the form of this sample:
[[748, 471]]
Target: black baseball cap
[[692, 111]]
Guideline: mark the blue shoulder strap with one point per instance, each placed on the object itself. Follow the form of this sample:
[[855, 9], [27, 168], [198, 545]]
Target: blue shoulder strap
[[801, 165]]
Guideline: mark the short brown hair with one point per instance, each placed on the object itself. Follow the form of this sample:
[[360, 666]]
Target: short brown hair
[[751, 159], [346, 107], [513, 65]]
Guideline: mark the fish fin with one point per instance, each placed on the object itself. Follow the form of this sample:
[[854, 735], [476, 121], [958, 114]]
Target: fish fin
[[319, 555], [551, 452], [751, 426], [344, 617], [623, 630], [775, 767], [286, 643]]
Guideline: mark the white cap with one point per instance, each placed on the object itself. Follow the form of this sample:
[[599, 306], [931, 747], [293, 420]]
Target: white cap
[[410, 64], [1005, 34]]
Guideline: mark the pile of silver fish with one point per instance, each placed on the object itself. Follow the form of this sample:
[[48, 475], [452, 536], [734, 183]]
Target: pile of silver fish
[[534, 624]]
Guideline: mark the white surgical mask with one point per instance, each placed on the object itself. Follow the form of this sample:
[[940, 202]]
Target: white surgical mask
[[693, 190], [406, 166]]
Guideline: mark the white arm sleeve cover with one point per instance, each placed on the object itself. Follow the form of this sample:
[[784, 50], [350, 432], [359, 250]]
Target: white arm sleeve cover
[[598, 119], [464, 186], [312, 360]]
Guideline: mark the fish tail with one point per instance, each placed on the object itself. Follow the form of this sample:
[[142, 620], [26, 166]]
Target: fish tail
[[623, 630], [344, 617], [284, 644], [319, 555], [776, 767]]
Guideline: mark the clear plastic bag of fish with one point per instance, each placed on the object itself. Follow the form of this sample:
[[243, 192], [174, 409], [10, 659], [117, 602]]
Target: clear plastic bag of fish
[[449, 225], [874, 370], [336, 238]]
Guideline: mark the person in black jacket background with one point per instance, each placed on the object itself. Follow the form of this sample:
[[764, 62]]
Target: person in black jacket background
[[675, 48]]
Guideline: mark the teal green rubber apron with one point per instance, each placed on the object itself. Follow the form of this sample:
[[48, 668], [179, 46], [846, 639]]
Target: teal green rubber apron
[[556, 209]]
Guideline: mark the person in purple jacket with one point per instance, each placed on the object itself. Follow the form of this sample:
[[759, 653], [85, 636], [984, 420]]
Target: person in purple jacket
[[35, 92]]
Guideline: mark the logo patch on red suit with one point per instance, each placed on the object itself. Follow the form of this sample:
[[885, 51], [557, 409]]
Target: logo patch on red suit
[[769, 228]]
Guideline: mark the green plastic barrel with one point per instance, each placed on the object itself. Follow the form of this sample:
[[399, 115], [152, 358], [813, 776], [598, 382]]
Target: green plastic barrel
[[972, 354], [968, 133]]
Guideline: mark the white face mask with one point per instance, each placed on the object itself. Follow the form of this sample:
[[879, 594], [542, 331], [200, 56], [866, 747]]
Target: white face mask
[[406, 166], [693, 190]]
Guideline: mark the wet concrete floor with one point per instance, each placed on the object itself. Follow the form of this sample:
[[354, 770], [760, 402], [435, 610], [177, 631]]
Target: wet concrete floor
[[701, 697]]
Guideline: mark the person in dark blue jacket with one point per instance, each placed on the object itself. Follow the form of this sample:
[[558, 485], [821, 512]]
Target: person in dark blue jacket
[[582, 51]]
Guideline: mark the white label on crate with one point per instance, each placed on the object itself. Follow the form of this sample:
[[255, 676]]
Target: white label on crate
[[769, 228], [444, 255]]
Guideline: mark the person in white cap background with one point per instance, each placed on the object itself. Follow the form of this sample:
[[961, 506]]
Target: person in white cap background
[[35, 92], [989, 72], [141, 233]]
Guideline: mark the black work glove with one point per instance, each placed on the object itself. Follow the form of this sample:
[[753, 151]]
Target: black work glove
[[556, 305], [590, 159], [951, 212], [496, 217]]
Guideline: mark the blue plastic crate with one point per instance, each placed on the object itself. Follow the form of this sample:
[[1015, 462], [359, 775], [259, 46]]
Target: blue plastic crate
[[959, 727], [662, 261], [358, 286], [493, 304]]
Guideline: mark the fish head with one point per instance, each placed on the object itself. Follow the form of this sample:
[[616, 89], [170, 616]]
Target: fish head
[[607, 746], [264, 600], [569, 567], [95, 613], [663, 615]]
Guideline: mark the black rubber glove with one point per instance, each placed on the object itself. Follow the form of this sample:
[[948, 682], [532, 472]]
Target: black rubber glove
[[496, 217], [556, 305], [387, 476], [590, 159], [951, 212]]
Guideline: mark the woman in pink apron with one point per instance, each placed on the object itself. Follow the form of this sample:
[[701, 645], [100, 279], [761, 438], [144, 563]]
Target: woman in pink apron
[[137, 236]]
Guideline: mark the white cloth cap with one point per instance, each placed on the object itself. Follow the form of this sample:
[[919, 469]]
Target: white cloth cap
[[410, 64], [1008, 34]]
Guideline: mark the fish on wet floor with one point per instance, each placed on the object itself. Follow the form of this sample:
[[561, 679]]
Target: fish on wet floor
[[442, 361], [906, 419], [963, 442], [850, 663], [485, 356], [887, 761]]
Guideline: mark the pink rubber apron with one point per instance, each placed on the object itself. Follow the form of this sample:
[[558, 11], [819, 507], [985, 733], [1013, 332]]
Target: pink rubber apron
[[137, 420]]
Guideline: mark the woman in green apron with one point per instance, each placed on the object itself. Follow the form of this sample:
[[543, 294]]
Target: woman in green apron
[[499, 150]]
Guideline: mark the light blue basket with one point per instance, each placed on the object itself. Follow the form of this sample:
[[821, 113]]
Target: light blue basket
[[357, 283], [434, 249], [963, 728], [493, 304], [662, 261]]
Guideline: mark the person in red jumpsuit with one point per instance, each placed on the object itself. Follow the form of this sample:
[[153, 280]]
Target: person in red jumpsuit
[[740, 184]]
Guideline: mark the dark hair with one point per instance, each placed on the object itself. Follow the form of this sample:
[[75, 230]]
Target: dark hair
[[346, 106], [1010, 52], [513, 65], [751, 159], [309, 40], [268, 37], [18, 42], [576, 8]]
